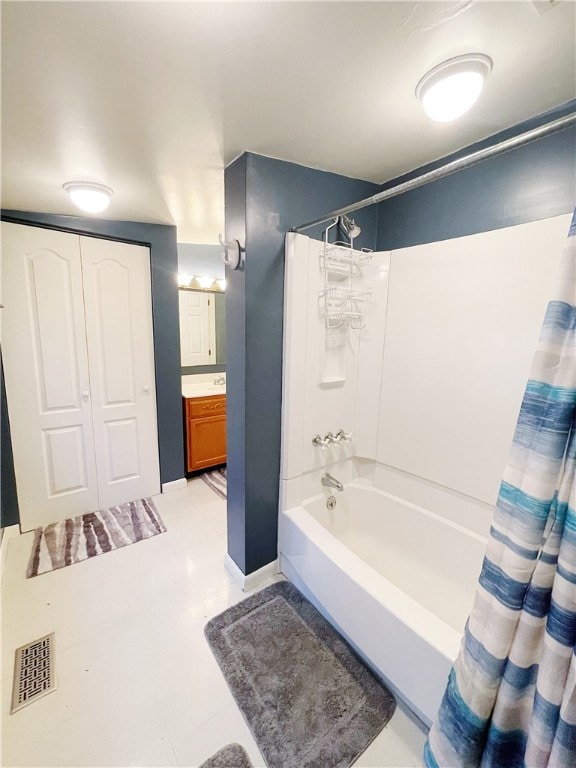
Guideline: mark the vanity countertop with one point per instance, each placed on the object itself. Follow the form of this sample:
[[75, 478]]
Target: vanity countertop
[[202, 385], [203, 390]]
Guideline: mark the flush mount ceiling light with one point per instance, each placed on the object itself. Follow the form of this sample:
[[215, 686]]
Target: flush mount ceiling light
[[451, 88], [89, 197]]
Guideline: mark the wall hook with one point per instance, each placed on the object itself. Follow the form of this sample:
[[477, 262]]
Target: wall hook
[[231, 257]]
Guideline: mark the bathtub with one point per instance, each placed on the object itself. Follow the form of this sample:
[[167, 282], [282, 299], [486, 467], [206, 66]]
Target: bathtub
[[398, 582]]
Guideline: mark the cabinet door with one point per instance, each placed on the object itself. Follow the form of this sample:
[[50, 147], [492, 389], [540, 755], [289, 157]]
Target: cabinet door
[[46, 373], [206, 442], [117, 297]]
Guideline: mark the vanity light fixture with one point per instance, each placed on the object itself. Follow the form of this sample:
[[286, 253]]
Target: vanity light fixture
[[451, 88], [205, 282], [89, 197]]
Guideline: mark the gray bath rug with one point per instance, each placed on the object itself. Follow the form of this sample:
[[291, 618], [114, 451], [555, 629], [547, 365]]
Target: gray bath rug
[[79, 538], [308, 699], [232, 756], [217, 481]]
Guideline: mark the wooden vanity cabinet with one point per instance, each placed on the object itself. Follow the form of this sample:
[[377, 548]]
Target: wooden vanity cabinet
[[205, 419]]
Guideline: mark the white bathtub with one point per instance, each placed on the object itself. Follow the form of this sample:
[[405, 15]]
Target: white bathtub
[[397, 580]]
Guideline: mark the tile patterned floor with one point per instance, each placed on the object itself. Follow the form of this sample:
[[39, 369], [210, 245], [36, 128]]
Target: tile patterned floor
[[137, 683]]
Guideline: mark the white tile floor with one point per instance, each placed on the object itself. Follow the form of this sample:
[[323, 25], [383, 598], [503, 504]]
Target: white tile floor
[[137, 683]]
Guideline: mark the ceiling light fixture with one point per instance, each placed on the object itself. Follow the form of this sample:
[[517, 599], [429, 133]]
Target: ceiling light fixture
[[89, 197], [451, 88]]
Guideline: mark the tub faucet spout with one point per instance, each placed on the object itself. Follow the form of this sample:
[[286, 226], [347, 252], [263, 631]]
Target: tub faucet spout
[[330, 482]]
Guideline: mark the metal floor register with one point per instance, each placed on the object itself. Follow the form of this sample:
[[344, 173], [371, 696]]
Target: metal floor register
[[34, 673]]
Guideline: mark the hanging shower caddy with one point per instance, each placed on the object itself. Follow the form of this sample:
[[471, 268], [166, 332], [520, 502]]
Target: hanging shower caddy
[[344, 294]]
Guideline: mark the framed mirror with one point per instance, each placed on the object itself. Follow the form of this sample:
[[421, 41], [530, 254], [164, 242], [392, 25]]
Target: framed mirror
[[202, 330], [202, 308]]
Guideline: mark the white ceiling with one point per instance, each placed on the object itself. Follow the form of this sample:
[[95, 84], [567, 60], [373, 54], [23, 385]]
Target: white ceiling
[[155, 98]]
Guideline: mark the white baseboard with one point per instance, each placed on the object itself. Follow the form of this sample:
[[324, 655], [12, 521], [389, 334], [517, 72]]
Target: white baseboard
[[7, 533], [252, 580], [174, 485]]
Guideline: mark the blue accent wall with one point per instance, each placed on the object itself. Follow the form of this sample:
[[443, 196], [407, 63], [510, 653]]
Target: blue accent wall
[[264, 199], [161, 240], [9, 514], [194, 370], [235, 205], [533, 182]]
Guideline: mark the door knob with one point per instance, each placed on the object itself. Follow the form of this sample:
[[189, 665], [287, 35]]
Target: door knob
[[146, 389], [85, 394]]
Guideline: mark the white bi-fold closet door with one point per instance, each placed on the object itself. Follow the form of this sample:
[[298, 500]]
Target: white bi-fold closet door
[[79, 369]]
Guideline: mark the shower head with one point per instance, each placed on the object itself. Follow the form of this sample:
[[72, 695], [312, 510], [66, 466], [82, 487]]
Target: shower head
[[349, 227]]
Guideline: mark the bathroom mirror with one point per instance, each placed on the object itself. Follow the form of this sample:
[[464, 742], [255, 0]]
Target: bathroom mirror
[[202, 330], [202, 282]]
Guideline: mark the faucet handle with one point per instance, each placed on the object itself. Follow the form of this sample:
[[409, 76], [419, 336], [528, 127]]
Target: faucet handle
[[343, 437], [330, 438], [319, 442]]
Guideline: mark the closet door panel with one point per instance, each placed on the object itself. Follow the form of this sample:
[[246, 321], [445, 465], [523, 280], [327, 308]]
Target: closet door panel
[[112, 355], [65, 459], [117, 296], [122, 449], [46, 370]]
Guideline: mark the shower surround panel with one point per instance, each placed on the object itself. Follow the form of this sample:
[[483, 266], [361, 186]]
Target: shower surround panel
[[311, 405], [463, 319]]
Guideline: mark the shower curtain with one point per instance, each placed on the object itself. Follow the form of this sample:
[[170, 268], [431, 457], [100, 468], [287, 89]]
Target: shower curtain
[[510, 701]]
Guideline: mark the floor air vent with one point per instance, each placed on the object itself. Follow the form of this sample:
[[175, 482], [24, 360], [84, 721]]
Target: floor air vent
[[34, 674]]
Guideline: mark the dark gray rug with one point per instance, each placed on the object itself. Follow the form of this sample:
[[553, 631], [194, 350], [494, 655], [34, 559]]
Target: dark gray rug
[[308, 699], [232, 756]]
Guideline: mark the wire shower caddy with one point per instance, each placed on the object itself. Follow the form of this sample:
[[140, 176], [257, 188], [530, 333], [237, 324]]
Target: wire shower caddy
[[344, 294]]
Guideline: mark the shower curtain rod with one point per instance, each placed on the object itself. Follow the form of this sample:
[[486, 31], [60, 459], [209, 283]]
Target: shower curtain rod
[[445, 170]]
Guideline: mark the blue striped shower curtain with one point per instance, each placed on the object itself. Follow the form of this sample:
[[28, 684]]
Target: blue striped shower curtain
[[510, 701]]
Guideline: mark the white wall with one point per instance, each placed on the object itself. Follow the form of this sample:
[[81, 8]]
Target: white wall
[[195, 259]]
